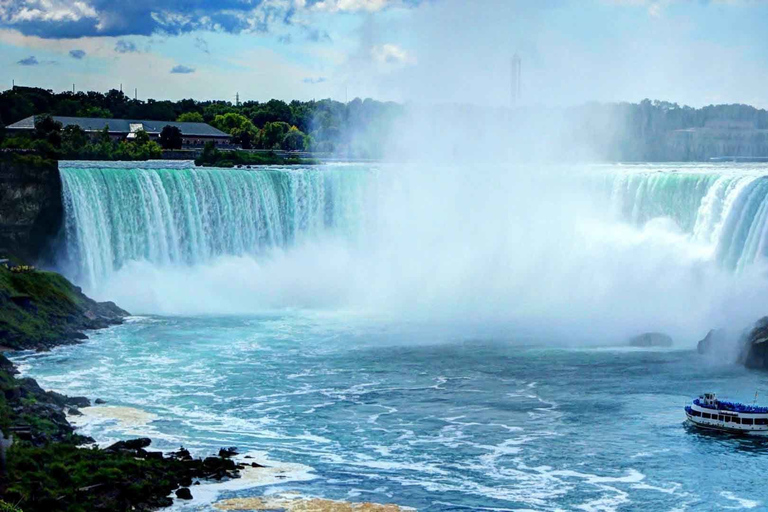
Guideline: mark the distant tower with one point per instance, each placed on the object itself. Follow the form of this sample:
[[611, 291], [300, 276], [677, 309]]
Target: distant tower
[[516, 79], [237, 99]]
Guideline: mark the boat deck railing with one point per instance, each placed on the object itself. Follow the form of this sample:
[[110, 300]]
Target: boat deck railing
[[733, 407]]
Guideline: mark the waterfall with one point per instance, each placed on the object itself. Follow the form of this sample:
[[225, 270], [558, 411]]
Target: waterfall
[[171, 213], [725, 208]]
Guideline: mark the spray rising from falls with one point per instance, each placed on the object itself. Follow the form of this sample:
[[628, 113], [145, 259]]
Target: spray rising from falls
[[613, 250], [173, 215], [725, 211]]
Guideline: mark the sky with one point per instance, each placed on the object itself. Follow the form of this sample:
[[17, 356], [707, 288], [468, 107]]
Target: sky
[[693, 52]]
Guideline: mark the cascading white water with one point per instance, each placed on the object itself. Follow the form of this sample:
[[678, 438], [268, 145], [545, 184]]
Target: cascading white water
[[611, 251], [175, 214], [726, 211]]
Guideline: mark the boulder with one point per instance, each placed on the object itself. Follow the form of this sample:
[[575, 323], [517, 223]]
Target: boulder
[[228, 452], [130, 445], [184, 493], [99, 401], [651, 339]]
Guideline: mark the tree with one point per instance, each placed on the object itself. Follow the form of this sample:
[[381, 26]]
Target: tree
[[191, 117], [294, 140], [93, 111], [104, 137], [73, 138], [233, 123], [271, 136], [170, 137], [48, 129], [142, 137], [245, 140]]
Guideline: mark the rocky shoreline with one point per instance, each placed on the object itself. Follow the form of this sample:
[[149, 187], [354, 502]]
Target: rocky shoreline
[[45, 465]]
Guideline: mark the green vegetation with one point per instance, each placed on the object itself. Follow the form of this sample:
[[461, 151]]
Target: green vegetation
[[644, 131], [170, 137], [42, 309], [347, 128], [72, 143], [191, 117], [212, 157], [7, 507]]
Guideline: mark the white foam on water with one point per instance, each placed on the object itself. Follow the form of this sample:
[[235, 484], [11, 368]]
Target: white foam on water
[[741, 502], [273, 473]]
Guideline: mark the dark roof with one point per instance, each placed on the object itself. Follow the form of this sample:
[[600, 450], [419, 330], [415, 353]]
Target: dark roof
[[95, 124]]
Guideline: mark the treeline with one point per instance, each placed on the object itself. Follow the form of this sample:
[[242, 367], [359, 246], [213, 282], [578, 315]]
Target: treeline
[[324, 126], [664, 131], [644, 131]]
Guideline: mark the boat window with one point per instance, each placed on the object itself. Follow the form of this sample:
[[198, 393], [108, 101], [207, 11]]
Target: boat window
[[746, 421], [720, 417], [737, 420], [727, 419], [761, 421], [705, 415], [695, 413]]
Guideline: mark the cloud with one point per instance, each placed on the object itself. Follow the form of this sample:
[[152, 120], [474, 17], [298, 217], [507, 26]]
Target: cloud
[[124, 46], [284, 39], [391, 54], [316, 35], [32, 61], [351, 5], [318, 80], [90, 18], [77, 54], [29, 61], [182, 70]]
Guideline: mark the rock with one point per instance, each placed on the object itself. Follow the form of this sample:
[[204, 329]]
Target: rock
[[713, 340], [651, 339], [74, 412], [754, 347], [77, 401], [99, 401], [182, 454], [256, 465], [228, 452], [130, 444]]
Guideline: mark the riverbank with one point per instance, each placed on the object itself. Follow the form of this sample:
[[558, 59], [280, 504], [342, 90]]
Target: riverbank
[[40, 309], [45, 465]]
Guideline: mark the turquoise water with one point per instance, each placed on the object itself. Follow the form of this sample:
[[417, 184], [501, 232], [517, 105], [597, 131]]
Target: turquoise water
[[443, 339], [424, 419]]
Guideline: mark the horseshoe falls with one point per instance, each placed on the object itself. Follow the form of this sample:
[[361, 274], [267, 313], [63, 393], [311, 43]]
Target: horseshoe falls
[[441, 338]]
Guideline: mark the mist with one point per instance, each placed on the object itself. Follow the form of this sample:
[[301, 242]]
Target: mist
[[485, 218]]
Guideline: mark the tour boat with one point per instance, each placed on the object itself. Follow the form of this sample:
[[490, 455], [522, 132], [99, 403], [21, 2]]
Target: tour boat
[[709, 412]]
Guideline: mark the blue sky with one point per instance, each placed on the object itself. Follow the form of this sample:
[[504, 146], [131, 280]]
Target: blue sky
[[429, 51]]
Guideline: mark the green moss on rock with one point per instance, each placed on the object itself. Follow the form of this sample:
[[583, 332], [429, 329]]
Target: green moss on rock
[[42, 309]]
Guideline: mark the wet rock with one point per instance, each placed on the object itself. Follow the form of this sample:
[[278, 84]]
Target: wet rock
[[74, 412], [651, 339], [711, 342], [184, 493], [754, 348], [228, 452], [99, 401], [130, 445]]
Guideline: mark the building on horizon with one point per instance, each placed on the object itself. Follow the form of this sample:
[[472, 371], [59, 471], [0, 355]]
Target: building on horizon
[[193, 134]]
